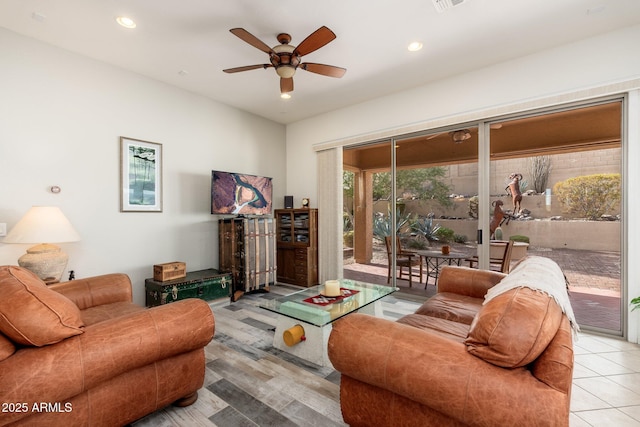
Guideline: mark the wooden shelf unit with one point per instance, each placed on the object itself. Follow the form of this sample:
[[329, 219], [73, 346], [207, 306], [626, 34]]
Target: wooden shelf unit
[[297, 246]]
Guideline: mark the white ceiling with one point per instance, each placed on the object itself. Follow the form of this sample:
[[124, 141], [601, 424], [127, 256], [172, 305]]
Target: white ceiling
[[372, 35]]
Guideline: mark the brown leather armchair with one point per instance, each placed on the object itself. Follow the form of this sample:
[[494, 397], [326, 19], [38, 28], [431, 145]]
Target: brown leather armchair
[[457, 361], [81, 353]]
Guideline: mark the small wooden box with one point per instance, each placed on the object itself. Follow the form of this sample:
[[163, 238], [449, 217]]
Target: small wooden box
[[169, 271]]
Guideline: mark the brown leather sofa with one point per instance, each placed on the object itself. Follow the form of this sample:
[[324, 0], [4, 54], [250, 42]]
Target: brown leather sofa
[[80, 353], [457, 362]]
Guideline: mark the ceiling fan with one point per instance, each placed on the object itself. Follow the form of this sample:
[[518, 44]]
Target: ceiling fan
[[286, 58]]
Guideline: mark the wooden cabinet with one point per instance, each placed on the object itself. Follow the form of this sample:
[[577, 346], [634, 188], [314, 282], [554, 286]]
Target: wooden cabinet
[[297, 246]]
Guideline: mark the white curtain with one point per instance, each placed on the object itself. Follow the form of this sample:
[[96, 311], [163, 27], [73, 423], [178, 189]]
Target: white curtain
[[330, 214]]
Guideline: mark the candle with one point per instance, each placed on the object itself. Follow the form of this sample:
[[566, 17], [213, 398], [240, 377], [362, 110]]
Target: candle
[[332, 288]]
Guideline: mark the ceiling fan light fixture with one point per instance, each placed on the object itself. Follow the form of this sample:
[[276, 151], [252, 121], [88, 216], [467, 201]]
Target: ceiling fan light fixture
[[286, 71], [285, 95], [459, 136]]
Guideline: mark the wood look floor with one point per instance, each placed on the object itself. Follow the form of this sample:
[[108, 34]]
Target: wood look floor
[[250, 383]]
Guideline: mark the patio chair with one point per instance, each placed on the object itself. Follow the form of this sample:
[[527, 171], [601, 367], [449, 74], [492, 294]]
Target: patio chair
[[404, 259], [501, 263]]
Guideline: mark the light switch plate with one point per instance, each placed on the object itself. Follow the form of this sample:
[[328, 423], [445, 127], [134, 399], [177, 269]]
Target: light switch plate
[[3, 229]]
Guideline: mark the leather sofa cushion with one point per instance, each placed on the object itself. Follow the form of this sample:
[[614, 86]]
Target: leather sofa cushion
[[451, 306], [514, 328], [33, 315], [445, 328], [6, 347], [100, 313]]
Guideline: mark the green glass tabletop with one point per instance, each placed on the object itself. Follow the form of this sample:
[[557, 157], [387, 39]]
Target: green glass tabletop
[[310, 306]]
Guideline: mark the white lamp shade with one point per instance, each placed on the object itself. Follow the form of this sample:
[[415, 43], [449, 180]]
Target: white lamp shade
[[42, 224]]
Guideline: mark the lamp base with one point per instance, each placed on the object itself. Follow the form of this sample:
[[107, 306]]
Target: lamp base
[[47, 261]]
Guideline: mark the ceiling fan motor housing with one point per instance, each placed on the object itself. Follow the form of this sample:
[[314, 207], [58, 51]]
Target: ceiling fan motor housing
[[285, 61]]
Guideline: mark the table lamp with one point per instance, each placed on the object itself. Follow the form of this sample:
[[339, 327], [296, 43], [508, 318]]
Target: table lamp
[[43, 225]]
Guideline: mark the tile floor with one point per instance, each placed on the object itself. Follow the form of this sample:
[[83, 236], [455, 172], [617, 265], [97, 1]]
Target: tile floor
[[606, 384]]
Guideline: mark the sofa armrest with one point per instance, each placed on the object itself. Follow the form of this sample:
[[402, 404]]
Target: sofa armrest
[[97, 290], [467, 281], [57, 372], [438, 373]]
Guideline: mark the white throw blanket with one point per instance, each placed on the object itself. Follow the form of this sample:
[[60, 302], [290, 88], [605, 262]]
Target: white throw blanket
[[541, 274]]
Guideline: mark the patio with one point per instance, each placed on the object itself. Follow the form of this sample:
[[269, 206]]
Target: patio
[[594, 281]]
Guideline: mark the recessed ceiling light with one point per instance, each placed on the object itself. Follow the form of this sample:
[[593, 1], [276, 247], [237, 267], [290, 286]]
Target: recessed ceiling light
[[414, 46], [285, 96], [126, 22]]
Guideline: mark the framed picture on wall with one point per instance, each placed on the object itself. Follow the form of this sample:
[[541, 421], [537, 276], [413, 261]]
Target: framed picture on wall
[[140, 176]]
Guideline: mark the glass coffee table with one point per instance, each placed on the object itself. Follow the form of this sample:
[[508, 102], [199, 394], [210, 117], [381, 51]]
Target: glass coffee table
[[305, 317]]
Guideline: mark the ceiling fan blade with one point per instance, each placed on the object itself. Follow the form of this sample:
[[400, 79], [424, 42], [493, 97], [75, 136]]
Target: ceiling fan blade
[[286, 85], [252, 40], [247, 68], [435, 135], [325, 70], [315, 41]]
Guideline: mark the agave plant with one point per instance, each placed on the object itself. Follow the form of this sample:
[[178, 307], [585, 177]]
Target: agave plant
[[426, 228], [382, 224]]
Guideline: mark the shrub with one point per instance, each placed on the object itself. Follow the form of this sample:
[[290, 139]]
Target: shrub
[[589, 196], [416, 244], [460, 238], [445, 234], [519, 238], [347, 239]]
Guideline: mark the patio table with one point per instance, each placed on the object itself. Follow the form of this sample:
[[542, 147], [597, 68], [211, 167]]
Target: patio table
[[435, 259]]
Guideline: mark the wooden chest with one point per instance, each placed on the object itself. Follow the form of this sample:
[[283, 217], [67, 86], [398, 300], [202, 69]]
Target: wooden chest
[[169, 271], [248, 252], [204, 284]]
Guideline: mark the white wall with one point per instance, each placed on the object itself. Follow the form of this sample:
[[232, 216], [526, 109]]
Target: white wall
[[61, 116], [505, 88]]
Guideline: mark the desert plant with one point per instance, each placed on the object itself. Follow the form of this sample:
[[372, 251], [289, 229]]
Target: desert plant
[[589, 196], [519, 238], [426, 228], [460, 238], [347, 239], [382, 224], [416, 244], [473, 207], [497, 234], [445, 234], [347, 221], [539, 169]]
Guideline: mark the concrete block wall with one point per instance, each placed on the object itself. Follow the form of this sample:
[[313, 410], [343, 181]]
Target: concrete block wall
[[463, 178]]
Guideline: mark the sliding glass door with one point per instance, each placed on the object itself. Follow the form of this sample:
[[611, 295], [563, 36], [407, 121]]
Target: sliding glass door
[[555, 180], [550, 181]]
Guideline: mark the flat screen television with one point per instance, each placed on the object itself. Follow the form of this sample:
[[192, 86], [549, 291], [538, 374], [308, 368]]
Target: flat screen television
[[240, 194]]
